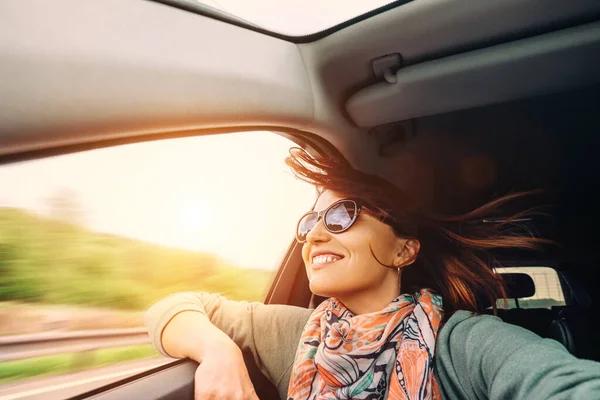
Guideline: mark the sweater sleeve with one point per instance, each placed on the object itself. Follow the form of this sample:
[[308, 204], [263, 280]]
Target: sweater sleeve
[[269, 332], [481, 357]]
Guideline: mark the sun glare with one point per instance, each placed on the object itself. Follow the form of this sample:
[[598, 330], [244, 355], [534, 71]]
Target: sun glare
[[191, 193], [194, 218]]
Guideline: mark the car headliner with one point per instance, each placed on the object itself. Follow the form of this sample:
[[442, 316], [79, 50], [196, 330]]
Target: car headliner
[[102, 72]]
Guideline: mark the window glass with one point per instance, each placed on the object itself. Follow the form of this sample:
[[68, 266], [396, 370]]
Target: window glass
[[548, 290], [295, 18], [89, 240]]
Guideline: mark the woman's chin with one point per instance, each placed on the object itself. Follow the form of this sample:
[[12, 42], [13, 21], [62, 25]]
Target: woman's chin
[[318, 289], [323, 288]]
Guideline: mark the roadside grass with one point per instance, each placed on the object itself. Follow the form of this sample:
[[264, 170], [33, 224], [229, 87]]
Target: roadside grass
[[11, 371]]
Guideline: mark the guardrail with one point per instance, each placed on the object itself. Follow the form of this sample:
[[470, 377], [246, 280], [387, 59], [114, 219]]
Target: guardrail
[[44, 344]]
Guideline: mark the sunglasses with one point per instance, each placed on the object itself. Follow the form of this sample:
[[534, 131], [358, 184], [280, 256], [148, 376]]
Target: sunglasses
[[337, 218]]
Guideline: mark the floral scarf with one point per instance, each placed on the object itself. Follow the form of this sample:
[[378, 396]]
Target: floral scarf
[[386, 354]]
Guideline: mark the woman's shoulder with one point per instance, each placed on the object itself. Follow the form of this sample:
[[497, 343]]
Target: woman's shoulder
[[285, 318], [462, 315], [282, 310], [468, 336], [484, 326]]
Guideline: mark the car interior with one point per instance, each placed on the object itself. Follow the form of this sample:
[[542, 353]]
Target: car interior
[[456, 102]]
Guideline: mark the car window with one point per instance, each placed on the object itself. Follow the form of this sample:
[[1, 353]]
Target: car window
[[548, 290], [295, 18], [89, 241]]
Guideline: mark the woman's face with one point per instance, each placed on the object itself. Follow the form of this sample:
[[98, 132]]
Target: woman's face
[[341, 264]]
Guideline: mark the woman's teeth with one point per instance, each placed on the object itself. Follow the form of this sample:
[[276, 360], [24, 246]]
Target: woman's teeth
[[325, 259]]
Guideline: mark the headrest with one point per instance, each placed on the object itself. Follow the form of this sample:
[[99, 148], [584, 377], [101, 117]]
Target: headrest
[[518, 285]]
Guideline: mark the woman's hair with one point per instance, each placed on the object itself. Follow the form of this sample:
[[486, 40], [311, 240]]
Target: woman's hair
[[454, 257]]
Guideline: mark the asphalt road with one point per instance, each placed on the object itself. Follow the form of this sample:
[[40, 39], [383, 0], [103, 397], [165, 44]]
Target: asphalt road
[[64, 386]]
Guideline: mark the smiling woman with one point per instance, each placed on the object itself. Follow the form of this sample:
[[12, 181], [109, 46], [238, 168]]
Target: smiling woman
[[403, 311]]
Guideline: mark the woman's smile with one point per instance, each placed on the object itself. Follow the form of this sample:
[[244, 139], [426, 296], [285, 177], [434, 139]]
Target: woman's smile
[[322, 258], [319, 264]]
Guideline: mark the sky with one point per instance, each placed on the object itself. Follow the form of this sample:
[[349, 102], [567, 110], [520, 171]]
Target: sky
[[296, 17], [230, 194]]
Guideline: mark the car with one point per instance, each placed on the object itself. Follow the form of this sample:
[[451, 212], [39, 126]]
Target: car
[[456, 102]]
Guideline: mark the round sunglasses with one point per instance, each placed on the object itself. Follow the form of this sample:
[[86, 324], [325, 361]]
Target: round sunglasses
[[337, 218]]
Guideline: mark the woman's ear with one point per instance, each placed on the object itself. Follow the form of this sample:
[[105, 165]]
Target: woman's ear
[[407, 252]]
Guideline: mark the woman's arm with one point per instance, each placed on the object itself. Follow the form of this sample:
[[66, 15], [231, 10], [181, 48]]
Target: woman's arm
[[180, 337], [186, 324], [484, 358]]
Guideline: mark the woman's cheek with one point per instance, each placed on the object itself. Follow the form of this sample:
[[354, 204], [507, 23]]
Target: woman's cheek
[[308, 270]]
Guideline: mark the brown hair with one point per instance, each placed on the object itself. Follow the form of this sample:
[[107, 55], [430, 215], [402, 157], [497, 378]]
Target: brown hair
[[454, 258]]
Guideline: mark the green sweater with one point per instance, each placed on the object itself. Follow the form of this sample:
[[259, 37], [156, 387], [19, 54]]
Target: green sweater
[[476, 356]]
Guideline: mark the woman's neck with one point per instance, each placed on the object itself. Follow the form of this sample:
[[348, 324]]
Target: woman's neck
[[368, 301]]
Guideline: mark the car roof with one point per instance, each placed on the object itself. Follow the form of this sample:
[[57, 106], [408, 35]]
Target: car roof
[[144, 68], [485, 93]]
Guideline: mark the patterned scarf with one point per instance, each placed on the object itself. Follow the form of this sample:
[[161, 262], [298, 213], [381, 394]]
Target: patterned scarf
[[386, 354]]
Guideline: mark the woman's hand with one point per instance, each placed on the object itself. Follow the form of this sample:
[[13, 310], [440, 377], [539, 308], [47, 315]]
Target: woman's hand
[[223, 375]]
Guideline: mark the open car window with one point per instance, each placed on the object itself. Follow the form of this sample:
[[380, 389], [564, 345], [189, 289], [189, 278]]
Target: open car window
[[89, 241]]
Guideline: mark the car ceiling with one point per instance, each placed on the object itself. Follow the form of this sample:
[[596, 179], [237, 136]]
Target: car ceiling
[[80, 72], [425, 30], [87, 71], [137, 67]]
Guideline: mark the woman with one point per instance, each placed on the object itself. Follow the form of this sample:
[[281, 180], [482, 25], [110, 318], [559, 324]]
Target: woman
[[404, 288]]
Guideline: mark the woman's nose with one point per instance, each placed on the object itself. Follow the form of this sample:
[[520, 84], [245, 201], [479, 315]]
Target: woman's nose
[[318, 233]]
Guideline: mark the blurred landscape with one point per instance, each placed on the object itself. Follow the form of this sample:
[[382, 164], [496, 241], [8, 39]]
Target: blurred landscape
[[54, 274]]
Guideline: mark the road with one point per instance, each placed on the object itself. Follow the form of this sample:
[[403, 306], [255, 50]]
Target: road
[[68, 385]]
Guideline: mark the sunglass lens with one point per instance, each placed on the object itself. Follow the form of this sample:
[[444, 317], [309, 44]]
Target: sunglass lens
[[341, 216], [305, 225]]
